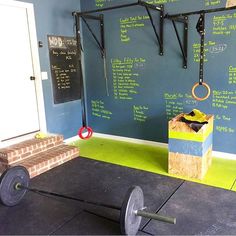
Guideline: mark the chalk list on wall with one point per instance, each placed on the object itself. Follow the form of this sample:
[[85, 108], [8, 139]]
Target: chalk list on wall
[[130, 23], [232, 75], [224, 101], [140, 113], [102, 3], [176, 102], [99, 110], [125, 74], [212, 2], [64, 68], [224, 24], [160, 1], [210, 48]]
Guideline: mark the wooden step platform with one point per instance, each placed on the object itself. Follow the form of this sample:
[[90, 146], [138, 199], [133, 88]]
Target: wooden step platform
[[37, 155]]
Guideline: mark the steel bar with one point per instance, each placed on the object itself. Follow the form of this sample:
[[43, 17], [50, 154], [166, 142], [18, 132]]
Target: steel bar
[[200, 12], [102, 34], [139, 3], [186, 42], [78, 39], [155, 216], [154, 28], [180, 44], [201, 30], [91, 17], [144, 4], [104, 52], [19, 186], [162, 17], [106, 9], [94, 36]]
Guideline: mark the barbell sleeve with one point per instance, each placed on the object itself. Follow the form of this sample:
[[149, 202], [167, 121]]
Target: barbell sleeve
[[154, 216]]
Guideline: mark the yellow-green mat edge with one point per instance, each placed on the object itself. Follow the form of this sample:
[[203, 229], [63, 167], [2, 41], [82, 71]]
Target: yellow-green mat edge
[[154, 159]]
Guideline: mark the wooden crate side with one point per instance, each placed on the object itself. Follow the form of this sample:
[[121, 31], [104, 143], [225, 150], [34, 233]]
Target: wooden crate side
[[188, 165], [207, 160], [180, 130], [190, 147]]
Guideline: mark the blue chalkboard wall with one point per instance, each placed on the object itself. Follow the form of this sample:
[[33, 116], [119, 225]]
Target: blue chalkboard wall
[[146, 89]]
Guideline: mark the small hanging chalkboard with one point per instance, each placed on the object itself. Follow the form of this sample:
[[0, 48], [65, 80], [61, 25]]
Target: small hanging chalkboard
[[65, 69]]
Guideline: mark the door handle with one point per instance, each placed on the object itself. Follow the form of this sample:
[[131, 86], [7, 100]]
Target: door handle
[[32, 77]]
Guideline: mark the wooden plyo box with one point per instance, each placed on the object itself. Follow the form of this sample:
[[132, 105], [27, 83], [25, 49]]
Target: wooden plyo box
[[190, 152]]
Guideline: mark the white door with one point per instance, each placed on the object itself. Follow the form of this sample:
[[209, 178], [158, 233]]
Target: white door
[[18, 102]]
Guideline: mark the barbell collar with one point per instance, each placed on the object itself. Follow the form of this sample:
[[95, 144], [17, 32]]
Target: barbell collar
[[154, 216]]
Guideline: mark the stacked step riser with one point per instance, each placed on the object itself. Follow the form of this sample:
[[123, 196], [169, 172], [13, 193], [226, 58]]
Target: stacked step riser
[[37, 155], [24, 150]]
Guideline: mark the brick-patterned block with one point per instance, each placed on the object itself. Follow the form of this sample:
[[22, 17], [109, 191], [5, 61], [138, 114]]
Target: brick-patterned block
[[25, 149], [44, 161]]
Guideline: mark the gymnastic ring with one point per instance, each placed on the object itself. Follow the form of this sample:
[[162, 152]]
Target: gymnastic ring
[[85, 128], [203, 98]]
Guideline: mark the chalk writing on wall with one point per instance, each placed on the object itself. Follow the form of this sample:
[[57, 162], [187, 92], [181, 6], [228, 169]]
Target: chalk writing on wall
[[223, 99], [224, 129], [125, 77], [140, 113], [232, 75], [174, 104], [223, 121], [64, 68], [209, 47], [212, 2], [101, 3], [99, 110], [223, 24], [129, 23], [160, 1]]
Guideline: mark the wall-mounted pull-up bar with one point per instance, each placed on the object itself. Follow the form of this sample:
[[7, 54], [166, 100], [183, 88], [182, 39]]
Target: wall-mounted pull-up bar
[[101, 44], [138, 3], [180, 18], [200, 12], [201, 30]]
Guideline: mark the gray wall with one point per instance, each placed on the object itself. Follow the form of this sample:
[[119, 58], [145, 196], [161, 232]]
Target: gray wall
[[146, 90], [53, 17]]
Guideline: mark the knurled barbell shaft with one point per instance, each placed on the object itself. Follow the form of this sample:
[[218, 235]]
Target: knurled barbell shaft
[[19, 186], [153, 216], [141, 213]]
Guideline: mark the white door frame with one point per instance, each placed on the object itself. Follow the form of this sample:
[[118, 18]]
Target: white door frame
[[35, 62]]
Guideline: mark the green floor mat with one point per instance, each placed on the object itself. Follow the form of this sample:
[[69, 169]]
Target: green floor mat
[[222, 172]]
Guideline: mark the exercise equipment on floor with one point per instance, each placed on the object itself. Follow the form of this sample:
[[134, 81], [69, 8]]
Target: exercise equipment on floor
[[14, 184]]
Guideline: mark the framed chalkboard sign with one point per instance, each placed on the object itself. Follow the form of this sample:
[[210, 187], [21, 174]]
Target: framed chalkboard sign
[[65, 68]]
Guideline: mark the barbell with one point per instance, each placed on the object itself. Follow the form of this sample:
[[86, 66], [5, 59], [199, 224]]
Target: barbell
[[14, 184]]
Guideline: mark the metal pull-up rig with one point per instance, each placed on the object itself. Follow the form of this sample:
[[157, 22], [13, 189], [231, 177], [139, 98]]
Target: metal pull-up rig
[[183, 17], [86, 15], [179, 18]]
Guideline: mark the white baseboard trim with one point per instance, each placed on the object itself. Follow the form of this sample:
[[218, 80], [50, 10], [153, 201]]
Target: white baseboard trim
[[222, 155], [130, 140], [71, 140]]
